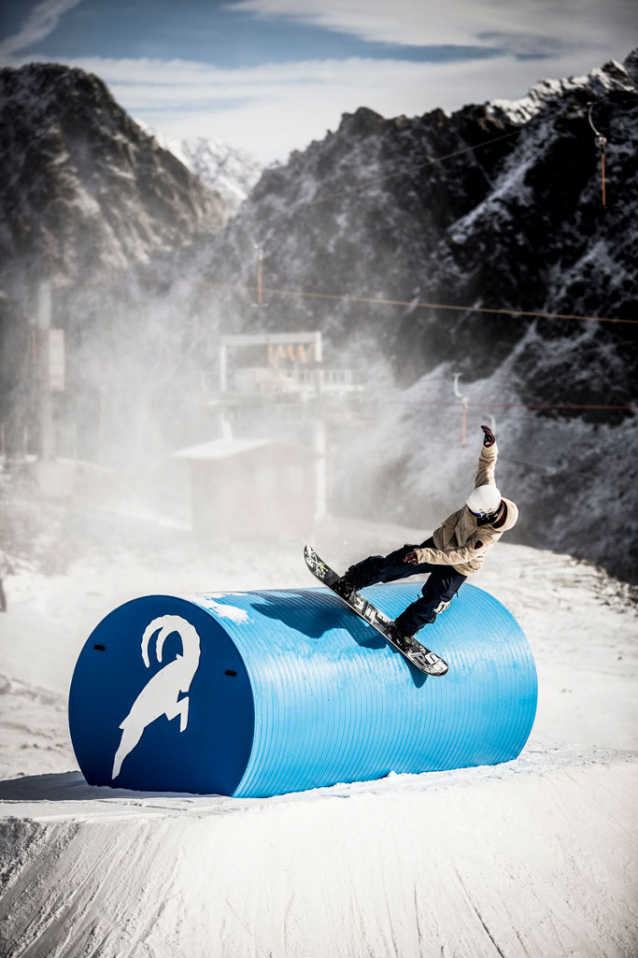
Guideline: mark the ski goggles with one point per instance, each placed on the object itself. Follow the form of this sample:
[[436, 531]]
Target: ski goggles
[[483, 515]]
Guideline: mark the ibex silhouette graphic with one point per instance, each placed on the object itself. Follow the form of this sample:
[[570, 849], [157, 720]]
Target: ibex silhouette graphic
[[160, 695]]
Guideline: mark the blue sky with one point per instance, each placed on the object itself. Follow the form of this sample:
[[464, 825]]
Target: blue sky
[[271, 75]]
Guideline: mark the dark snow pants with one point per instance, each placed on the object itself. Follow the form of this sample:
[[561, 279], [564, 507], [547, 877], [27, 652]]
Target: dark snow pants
[[438, 591]]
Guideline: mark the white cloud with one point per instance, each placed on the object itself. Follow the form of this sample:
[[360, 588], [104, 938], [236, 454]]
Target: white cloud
[[42, 21], [272, 109], [462, 22]]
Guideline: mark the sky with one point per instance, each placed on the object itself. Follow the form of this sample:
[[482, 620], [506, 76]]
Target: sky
[[269, 76]]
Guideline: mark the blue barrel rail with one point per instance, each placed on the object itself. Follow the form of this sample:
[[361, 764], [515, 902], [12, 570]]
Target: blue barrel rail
[[260, 693]]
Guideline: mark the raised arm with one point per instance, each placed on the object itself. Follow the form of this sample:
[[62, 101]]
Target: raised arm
[[487, 460]]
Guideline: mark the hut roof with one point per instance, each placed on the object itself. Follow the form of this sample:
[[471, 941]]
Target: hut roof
[[226, 448]]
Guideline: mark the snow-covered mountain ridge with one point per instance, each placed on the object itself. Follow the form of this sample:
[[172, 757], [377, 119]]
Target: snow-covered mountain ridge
[[230, 172], [83, 187], [510, 218], [600, 82], [86, 196], [516, 223]]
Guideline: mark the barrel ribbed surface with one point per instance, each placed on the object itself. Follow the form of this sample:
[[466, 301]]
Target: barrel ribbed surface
[[335, 702], [317, 695]]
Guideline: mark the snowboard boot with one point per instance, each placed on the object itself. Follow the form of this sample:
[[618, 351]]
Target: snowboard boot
[[346, 585], [404, 639]]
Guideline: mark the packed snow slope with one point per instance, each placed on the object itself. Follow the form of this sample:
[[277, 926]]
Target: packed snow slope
[[535, 859], [531, 859]]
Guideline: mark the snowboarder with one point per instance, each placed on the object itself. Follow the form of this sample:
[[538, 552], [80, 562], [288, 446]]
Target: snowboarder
[[455, 551]]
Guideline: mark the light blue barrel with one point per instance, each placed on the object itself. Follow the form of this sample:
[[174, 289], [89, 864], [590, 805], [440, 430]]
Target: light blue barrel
[[259, 693]]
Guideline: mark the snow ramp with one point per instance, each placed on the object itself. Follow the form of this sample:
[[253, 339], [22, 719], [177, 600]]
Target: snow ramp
[[536, 858], [257, 694]]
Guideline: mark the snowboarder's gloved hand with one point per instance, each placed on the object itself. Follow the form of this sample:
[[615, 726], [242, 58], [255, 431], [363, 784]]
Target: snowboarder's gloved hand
[[489, 438], [411, 558]]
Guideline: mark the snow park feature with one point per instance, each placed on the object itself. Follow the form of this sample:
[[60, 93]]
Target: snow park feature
[[257, 694]]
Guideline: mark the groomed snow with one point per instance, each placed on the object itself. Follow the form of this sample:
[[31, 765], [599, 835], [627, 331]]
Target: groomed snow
[[532, 859], [514, 861]]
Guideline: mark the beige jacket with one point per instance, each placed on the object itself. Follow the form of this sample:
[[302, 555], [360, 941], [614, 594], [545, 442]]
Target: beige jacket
[[460, 541]]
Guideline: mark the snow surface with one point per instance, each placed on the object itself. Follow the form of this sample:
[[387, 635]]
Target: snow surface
[[533, 858], [525, 861]]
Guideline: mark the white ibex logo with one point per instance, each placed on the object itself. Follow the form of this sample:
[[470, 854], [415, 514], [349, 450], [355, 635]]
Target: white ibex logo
[[160, 695]]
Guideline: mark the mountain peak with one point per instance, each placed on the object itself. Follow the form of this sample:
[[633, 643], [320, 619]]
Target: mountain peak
[[229, 171], [363, 122], [611, 77], [84, 185]]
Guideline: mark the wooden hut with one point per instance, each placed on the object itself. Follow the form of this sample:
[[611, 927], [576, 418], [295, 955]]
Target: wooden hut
[[251, 487]]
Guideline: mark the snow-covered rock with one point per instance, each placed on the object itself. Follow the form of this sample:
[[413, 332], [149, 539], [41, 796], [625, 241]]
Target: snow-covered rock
[[511, 218], [83, 187], [612, 77], [230, 172]]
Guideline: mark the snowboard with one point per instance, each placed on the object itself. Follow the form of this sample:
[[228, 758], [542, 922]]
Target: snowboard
[[417, 654]]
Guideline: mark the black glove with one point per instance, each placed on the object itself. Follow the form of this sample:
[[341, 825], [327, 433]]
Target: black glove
[[489, 438]]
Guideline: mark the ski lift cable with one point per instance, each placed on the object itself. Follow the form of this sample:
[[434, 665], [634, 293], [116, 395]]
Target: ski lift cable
[[601, 143], [489, 404], [597, 133], [417, 304], [432, 160]]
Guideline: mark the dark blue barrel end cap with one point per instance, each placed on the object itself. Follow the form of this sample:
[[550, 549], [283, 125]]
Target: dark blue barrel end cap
[[161, 700]]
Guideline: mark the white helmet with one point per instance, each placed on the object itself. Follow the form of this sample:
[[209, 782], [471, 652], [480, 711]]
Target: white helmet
[[484, 501]]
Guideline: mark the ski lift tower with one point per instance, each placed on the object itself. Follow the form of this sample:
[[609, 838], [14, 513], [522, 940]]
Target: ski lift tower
[[300, 347], [276, 385], [52, 476]]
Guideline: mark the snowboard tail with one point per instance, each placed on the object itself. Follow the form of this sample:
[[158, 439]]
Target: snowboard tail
[[417, 654]]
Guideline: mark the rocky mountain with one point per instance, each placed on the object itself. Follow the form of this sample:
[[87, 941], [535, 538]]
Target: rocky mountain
[[511, 217], [83, 186], [496, 206], [87, 198], [230, 172]]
